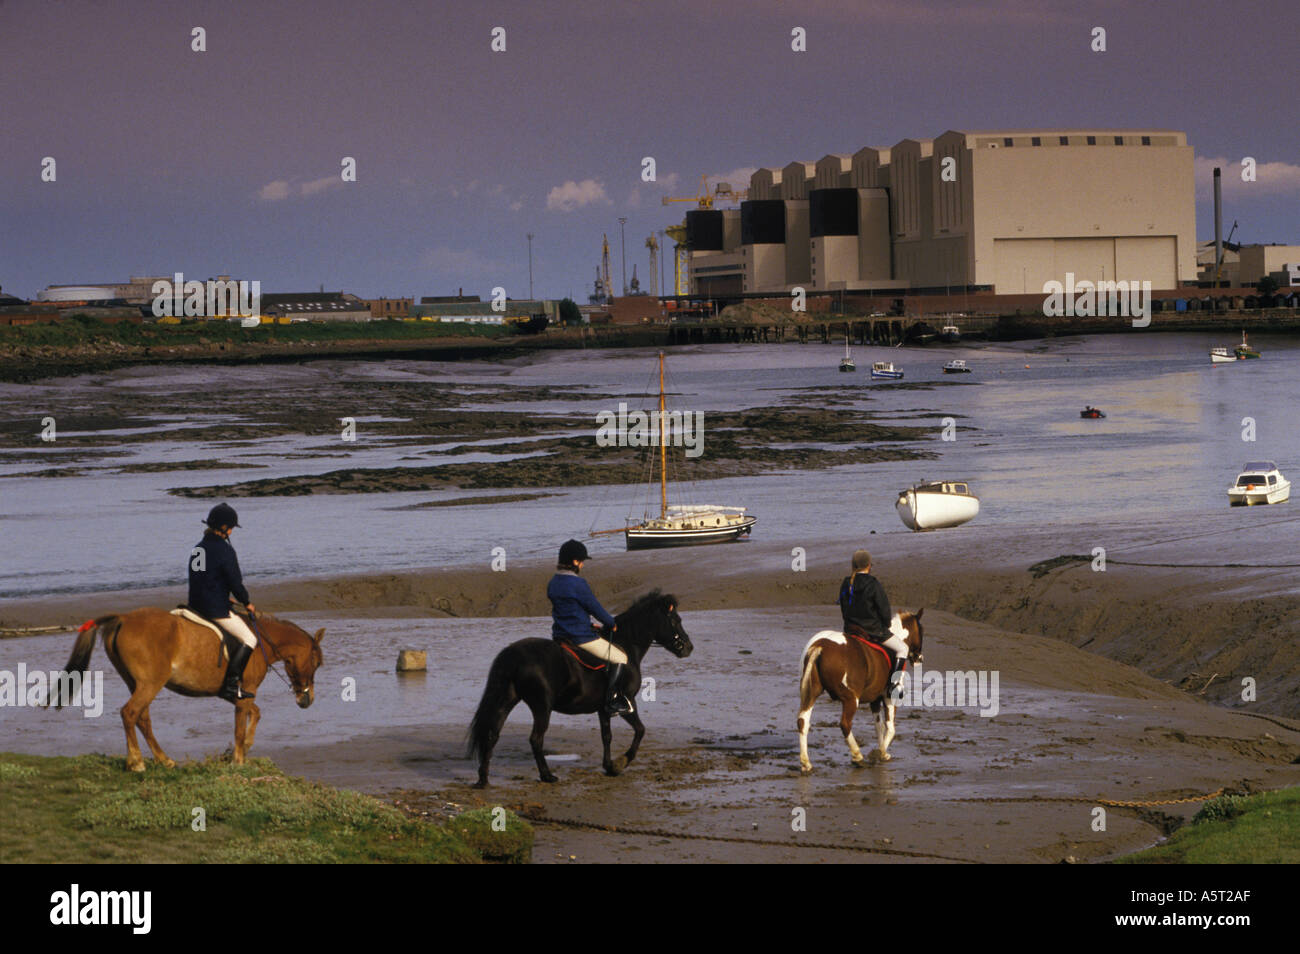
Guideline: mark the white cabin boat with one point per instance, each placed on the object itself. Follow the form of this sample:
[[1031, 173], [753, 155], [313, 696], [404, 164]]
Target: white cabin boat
[[936, 505], [1222, 356], [956, 366], [885, 369], [1260, 482]]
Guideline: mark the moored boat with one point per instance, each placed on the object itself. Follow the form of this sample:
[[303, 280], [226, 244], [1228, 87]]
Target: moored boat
[[682, 525], [956, 366], [1260, 482], [846, 362], [1222, 356], [885, 369], [937, 505], [950, 334], [1244, 350], [1092, 412]]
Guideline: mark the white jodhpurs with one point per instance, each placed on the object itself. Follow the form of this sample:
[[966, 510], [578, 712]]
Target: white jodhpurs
[[234, 626], [897, 646], [604, 650]]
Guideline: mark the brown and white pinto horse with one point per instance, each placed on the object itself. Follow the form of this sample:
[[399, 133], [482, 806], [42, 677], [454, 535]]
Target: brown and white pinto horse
[[853, 671], [152, 649]]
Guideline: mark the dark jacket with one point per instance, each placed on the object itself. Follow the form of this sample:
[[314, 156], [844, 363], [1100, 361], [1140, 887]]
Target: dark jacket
[[572, 606], [864, 605], [211, 587]]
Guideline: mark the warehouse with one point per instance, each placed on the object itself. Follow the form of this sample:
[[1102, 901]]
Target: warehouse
[[1005, 211]]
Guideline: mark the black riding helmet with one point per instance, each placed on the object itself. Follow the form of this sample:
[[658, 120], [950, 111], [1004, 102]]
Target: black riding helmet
[[222, 515], [571, 551]]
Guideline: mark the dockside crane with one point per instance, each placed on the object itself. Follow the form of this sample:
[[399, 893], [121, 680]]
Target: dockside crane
[[652, 243], [704, 199]]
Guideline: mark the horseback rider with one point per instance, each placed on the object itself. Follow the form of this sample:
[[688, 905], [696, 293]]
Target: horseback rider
[[572, 606], [866, 612], [214, 577]]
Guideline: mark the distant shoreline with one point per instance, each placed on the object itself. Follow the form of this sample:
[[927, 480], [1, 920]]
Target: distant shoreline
[[24, 360]]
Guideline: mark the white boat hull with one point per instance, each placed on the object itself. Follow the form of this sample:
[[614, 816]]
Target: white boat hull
[[935, 511], [1240, 497]]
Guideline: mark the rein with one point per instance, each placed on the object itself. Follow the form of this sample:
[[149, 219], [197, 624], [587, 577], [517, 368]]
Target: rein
[[261, 642]]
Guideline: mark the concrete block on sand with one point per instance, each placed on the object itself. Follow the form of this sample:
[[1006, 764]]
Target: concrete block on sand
[[412, 660]]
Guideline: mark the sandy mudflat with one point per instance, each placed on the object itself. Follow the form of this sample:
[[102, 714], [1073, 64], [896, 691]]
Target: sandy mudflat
[[1121, 718]]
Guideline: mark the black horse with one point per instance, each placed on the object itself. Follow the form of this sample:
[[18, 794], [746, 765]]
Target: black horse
[[549, 678]]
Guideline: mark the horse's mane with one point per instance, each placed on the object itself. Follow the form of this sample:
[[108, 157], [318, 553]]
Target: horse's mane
[[649, 600]]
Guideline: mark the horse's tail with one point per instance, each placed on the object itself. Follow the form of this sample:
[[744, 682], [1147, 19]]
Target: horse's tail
[[498, 695], [805, 682], [83, 647]]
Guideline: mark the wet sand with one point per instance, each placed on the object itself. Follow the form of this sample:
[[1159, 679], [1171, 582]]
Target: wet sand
[[1074, 725]]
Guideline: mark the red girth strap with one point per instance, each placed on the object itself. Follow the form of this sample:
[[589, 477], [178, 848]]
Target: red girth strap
[[574, 653], [877, 647]]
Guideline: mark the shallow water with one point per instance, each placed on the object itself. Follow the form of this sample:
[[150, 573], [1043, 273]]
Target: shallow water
[[1162, 459]]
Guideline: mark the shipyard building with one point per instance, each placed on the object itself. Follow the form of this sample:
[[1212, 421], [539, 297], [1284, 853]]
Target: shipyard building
[[1003, 211]]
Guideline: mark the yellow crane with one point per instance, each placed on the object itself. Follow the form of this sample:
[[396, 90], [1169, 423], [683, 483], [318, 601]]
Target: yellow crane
[[652, 243], [704, 199]]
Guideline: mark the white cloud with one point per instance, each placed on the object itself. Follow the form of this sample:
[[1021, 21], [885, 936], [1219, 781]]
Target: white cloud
[[320, 185], [274, 191], [1271, 178], [575, 195], [281, 189]]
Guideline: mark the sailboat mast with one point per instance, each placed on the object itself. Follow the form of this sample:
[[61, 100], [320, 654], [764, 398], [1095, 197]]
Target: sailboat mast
[[663, 452]]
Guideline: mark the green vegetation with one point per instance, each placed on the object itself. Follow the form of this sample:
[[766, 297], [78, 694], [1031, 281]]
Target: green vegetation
[[89, 809], [1234, 829], [569, 313], [84, 330]]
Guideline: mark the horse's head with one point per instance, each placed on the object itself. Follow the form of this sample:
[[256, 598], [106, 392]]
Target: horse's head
[[302, 656], [656, 615], [912, 623]]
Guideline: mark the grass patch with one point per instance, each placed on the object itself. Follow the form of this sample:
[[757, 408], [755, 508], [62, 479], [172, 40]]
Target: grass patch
[[84, 330], [90, 809], [1234, 829]]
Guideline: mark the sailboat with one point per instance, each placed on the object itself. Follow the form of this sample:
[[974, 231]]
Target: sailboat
[[846, 362], [682, 525]]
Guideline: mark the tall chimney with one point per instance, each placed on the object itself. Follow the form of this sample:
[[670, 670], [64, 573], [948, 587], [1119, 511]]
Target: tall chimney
[[1218, 226]]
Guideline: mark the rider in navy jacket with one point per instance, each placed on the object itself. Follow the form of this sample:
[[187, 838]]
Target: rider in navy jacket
[[572, 606], [212, 587]]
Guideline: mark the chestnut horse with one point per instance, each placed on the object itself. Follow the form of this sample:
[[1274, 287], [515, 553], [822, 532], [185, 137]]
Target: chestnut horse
[[549, 677], [853, 671], [152, 649]]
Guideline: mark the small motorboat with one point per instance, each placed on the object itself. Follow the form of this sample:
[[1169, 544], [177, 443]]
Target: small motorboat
[[956, 366], [1260, 482], [950, 334], [1244, 350], [1091, 412], [937, 505], [846, 362], [885, 369], [1222, 356]]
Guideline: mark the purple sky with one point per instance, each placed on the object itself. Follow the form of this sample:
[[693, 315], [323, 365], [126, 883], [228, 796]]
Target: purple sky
[[227, 162]]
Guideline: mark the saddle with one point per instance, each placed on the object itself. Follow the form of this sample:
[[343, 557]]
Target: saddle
[[580, 654], [867, 640], [184, 612]]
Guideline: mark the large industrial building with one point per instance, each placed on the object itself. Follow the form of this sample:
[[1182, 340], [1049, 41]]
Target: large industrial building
[[1003, 211]]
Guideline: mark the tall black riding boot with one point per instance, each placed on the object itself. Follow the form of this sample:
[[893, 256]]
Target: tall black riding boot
[[615, 702], [230, 689], [895, 688]]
